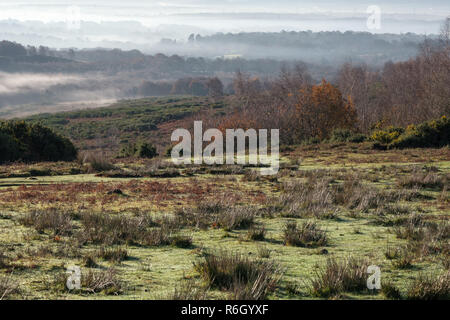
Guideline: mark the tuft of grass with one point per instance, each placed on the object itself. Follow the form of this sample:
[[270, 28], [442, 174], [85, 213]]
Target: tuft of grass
[[181, 241], [430, 287], [308, 235], [60, 223], [104, 281], [4, 260], [404, 258], [390, 291], [292, 288], [187, 290], [89, 261], [8, 287], [96, 162], [256, 233], [217, 216], [116, 255], [348, 275], [246, 279], [263, 252], [391, 253], [109, 230], [312, 199], [423, 180], [237, 218]]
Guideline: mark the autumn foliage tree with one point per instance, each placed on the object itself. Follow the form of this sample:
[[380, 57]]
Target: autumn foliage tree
[[292, 104], [321, 109]]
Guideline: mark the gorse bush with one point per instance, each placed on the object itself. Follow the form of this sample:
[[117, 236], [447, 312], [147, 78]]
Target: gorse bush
[[387, 135], [346, 135], [431, 134], [33, 142], [140, 150], [146, 150]]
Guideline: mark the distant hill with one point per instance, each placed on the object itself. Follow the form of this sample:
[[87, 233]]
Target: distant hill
[[150, 119]]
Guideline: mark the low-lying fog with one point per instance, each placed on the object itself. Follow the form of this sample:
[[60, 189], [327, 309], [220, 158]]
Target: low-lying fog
[[27, 93]]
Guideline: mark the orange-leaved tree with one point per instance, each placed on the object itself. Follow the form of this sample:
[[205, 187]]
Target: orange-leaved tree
[[322, 108]]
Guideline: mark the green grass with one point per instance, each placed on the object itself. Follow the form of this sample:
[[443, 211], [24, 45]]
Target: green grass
[[152, 272]]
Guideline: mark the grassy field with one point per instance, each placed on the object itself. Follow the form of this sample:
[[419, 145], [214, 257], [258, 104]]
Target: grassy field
[[146, 229]]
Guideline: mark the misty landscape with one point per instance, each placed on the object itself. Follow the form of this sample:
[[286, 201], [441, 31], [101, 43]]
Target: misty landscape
[[354, 95], [112, 60]]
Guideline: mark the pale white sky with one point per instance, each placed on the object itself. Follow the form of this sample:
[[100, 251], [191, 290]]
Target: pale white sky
[[144, 10]]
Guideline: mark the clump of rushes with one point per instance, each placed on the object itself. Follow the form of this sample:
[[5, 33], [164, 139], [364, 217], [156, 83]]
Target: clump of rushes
[[263, 252], [113, 254], [245, 278], [181, 241], [256, 233], [59, 222], [390, 291], [104, 281], [237, 218], [347, 275], [430, 287], [308, 235], [8, 287], [188, 290]]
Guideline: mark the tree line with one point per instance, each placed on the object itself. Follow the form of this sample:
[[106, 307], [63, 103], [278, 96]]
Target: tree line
[[358, 99]]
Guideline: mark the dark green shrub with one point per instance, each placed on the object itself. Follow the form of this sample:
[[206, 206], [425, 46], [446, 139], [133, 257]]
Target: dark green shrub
[[390, 291], [431, 134], [357, 138], [346, 135], [146, 150], [128, 150], [33, 142], [140, 150], [10, 149]]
